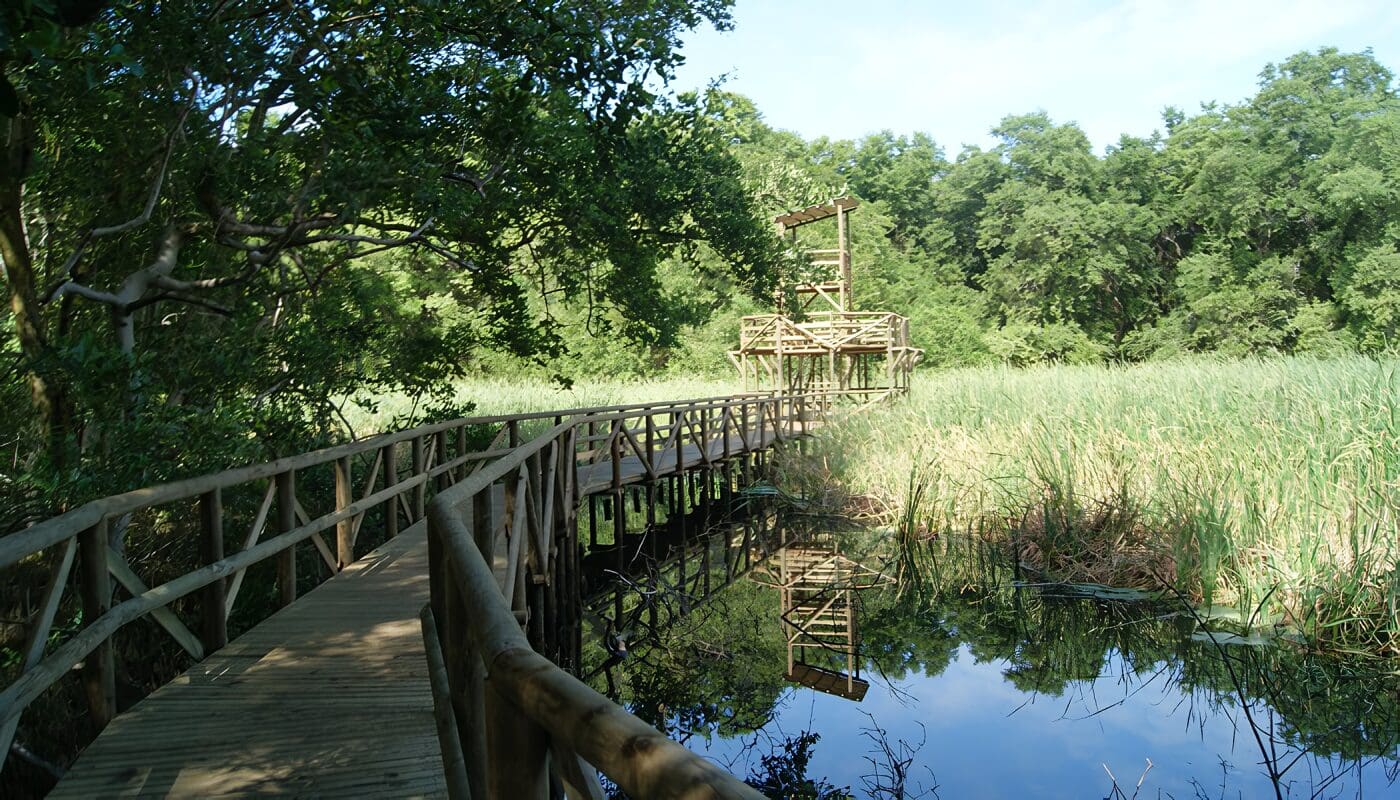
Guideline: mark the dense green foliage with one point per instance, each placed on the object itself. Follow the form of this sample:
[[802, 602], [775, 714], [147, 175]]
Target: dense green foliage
[[219, 218], [1267, 226]]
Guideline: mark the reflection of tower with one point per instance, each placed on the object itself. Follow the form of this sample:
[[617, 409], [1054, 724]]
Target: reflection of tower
[[821, 343], [818, 586]]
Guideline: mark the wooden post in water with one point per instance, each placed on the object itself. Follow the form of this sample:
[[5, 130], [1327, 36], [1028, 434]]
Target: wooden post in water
[[619, 518]]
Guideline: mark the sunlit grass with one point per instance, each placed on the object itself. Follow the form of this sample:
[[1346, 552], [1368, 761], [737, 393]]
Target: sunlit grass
[[1271, 486]]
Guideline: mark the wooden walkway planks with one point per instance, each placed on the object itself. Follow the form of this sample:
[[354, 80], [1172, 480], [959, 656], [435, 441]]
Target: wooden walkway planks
[[328, 697]]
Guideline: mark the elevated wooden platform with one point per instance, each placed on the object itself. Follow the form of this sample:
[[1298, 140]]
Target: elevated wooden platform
[[329, 697], [828, 681]]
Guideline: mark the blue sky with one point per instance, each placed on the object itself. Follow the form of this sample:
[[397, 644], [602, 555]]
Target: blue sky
[[954, 69]]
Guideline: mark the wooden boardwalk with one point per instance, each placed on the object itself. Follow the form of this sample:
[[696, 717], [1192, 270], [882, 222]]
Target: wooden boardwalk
[[328, 697], [595, 478]]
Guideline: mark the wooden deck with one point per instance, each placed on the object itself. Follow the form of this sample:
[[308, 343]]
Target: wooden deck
[[328, 697]]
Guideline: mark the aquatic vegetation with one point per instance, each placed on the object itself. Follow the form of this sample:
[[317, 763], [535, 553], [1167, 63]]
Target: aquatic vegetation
[[1260, 484]]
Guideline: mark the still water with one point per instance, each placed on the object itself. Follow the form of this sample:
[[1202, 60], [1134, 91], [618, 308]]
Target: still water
[[971, 683]]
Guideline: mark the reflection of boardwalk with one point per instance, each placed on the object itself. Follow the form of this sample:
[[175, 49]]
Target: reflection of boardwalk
[[328, 697], [817, 586]]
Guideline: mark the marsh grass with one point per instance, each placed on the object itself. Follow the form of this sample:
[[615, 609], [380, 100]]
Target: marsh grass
[[367, 415], [1270, 485]]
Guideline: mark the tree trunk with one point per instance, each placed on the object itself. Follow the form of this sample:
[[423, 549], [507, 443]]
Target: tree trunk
[[47, 394]]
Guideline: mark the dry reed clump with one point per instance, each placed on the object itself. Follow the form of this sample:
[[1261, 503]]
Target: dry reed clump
[[1272, 487], [1110, 546]]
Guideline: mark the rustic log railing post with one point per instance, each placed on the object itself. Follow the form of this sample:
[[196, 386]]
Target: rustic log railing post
[[286, 521], [471, 713], [705, 434], [420, 492], [391, 479], [345, 529], [651, 444], [454, 765], [726, 418], [679, 430], [99, 668], [762, 424], [443, 480], [213, 614], [747, 436], [461, 451]]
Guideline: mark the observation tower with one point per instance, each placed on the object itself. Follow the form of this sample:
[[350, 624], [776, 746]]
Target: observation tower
[[816, 341]]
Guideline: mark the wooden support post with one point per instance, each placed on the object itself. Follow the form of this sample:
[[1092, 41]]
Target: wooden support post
[[286, 521], [95, 586], [449, 741], [683, 596], [213, 615], [650, 444], [619, 517], [345, 529], [420, 492], [651, 503], [705, 541], [461, 451], [443, 479], [747, 436], [391, 479], [704, 436]]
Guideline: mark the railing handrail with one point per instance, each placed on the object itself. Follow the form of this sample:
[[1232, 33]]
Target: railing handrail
[[634, 755], [54, 530]]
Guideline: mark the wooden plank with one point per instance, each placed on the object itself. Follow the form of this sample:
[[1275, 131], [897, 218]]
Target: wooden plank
[[337, 704]]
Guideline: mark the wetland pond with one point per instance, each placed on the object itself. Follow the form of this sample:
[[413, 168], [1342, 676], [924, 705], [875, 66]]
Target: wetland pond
[[786, 651]]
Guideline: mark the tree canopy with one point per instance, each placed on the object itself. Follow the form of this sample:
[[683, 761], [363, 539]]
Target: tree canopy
[[215, 216]]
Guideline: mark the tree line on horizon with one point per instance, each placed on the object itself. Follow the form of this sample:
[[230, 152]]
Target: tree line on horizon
[[1264, 227]]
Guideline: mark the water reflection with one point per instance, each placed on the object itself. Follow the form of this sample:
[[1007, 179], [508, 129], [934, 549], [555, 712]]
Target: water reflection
[[817, 589], [978, 686]]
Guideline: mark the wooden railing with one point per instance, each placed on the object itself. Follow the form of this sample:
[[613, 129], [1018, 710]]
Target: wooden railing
[[388, 478], [502, 548]]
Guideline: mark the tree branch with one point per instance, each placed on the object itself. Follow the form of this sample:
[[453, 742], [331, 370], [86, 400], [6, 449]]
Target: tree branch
[[145, 216]]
